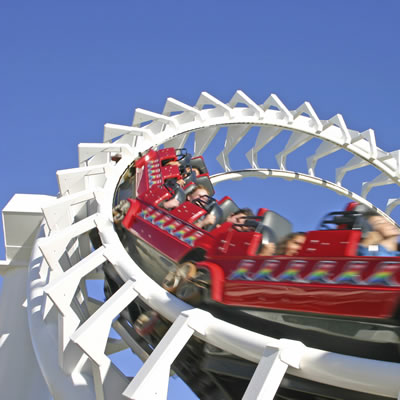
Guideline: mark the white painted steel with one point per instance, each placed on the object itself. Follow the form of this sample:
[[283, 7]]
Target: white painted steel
[[62, 318]]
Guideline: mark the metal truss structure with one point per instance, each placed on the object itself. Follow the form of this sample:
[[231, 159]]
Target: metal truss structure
[[55, 338]]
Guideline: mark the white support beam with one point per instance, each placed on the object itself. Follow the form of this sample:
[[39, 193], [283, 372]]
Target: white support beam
[[272, 368], [338, 121], [111, 131], [141, 116], [241, 97], [274, 101], [307, 109], [380, 180], [391, 205], [220, 108], [60, 215], [353, 163], [264, 136], [53, 246], [173, 105], [369, 140], [157, 367], [233, 136], [62, 289], [324, 149], [295, 141], [92, 336], [87, 152], [202, 139], [178, 141], [75, 180]]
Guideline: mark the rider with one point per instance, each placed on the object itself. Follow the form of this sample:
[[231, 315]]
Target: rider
[[200, 196], [382, 240]]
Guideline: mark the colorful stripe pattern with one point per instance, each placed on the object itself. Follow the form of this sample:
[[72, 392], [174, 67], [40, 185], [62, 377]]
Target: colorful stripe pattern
[[322, 272], [384, 275], [154, 173], [352, 273], [292, 273], [176, 228], [242, 272], [266, 271]]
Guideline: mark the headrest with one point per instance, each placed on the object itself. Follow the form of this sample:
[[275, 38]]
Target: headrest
[[279, 225], [198, 162], [228, 207], [175, 190], [268, 236], [212, 207], [206, 182]]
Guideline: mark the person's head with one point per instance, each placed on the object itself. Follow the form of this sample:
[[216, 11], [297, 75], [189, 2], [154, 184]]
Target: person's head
[[291, 244], [381, 225], [196, 171], [239, 217], [172, 162], [197, 192]]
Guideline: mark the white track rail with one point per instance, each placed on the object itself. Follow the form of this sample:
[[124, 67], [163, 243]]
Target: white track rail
[[70, 331]]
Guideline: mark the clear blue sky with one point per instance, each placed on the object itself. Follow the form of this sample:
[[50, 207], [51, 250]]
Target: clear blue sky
[[69, 67]]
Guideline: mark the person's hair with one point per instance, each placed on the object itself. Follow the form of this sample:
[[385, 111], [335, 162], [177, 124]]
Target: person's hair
[[281, 246], [245, 211], [196, 187]]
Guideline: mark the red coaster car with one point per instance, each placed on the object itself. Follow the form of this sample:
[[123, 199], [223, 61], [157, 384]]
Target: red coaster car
[[326, 295]]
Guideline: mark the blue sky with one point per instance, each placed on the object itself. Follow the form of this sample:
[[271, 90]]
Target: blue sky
[[69, 67]]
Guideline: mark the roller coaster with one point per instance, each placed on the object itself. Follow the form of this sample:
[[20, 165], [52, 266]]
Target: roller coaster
[[200, 303]]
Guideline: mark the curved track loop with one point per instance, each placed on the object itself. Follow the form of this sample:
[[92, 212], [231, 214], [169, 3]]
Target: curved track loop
[[64, 320]]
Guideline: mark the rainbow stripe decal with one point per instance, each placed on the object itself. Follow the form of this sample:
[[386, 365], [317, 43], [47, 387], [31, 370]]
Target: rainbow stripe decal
[[322, 272], [172, 226], [164, 220], [154, 216], [182, 231], [266, 271], [146, 212], [154, 173], [293, 271], [352, 273], [384, 275], [192, 238], [242, 272]]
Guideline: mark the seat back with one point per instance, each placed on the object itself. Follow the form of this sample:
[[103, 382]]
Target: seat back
[[331, 243], [228, 207], [198, 162], [206, 182], [279, 225]]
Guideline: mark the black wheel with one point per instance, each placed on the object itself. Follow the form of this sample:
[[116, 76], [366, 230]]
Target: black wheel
[[176, 277], [190, 293]]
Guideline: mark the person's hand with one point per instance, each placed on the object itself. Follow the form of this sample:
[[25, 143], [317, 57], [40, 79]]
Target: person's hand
[[267, 249], [209, 219], [372, 237], [170, 204]]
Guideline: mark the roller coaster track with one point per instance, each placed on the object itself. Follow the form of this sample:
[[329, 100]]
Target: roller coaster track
[[60, 337]]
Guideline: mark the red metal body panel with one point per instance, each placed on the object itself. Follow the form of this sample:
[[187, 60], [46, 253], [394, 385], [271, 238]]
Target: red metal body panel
[[366, 287]]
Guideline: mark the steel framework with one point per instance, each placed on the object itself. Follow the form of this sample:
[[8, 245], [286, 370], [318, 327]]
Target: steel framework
[[55, 337]]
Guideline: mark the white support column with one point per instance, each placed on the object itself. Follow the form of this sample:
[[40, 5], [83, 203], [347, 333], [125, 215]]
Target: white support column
[[272, 368], [92, 336], [151, 382], [17, 357], [21, 221]]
